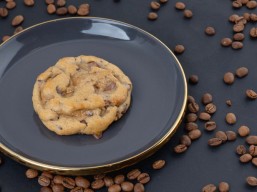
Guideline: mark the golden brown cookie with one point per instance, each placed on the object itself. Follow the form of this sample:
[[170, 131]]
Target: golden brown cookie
[[81, 95]]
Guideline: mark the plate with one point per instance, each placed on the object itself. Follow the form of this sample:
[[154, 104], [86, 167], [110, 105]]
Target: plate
[[158, 96]]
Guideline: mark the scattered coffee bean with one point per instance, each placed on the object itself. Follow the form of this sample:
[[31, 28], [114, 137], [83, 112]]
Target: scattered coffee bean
[[10, 5], [68, 182], [82, 182], [206, 98], [237, 45], [210, 31], [223, 187], [51, 9], [213, 142], [193, 79], [180, 6], [253, 32], [29, 3], [155, 5], [238, 27], [225, 42], [221, 135], [210, 125], [152, 16], [185, 140], [31, 173], [252, 181], [5, 38], [61, 3], [251, 140], [58, 179], [229, 78], [204, 116], [231, 118], [181, 148], [143, 178], [251, 94], [158, 164], [127, 186], [179, 49], [47, 174], [119, 179], [97, 184], [243, 131], [247, 16], [210, 108], [3, 12], [114, 188], [188, 14], [45, 189], [193, 107], [241, 72], [195, 134], [139, 187], [18, 29], [191, 117], [190, 99], [108, 181], [253, 150], [133, 174], [233, 18], [209, 188], [44, 181], [245, 158], [84, 10], [58, 188], [253, 17], [49, 2], [17, 20], [61, 11], [231, 135], [72, 10], [240, 150], [191, 126], [251, 4], [238, 36], [229, 102], [237, 4]]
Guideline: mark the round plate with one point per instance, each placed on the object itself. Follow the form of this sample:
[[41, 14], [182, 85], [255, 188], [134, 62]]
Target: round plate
[[158, 96]]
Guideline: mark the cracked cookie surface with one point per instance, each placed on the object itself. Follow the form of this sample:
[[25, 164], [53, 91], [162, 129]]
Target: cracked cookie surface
[[81, 95]]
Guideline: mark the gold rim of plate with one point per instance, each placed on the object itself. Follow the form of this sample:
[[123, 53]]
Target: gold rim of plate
[[106, 167]]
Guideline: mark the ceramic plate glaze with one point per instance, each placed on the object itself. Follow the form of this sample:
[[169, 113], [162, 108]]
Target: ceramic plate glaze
[[158, 96]]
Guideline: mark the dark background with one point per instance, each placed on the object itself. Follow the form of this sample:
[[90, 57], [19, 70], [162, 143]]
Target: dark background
[[205, 57]]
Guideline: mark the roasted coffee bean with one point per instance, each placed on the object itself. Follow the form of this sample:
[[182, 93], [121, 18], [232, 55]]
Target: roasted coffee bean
[[245, 158], [31, 173], [213, 142], [191, 117], [253, 150], [5, 38], [209, 188], [237, 45], [3, 12], [84, 9], [155, 5], [51, 9], [47, 174], [10, 5], [152, 16], [191, 126], [206, 98], [82, 182], [158, 164], [119, 179], [237, 4], [241, 20], [241, 72], [99, 176], [204, 116], [210, 108], [231, 118], [247, 16], [243, 131], [17, 20], [193, 107], [139, 187], [133, 174], [253, 32], [229, 78], [179, 49], [238, 36], [61, 11], [252, 181], [253, 17], [251, 94], [185, 140], [251, 4], [72, 10], [108, 181], [233, 18], [143, 178], [223, 187], [58, 179], [97, 184], [190, 99], [244, 2], [44, 181], [229, 102], [45, 189], [210, 31], [180, 6], [231, 135], [225, 42], [181, 148], [195, 134], [163, 1], [238, 27], [29, 3], [193, 79], [251, 140], [68, 182], [18, 29], [221, 135], [49, 2], [210, 125], [127, 186], [114, 188], [58, 188], [188, 14], [77, 189], [240, 149], [61, 3], [254, 161]]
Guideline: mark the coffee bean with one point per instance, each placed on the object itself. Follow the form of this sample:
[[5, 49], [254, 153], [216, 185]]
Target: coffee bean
[[191, 126], [44, 181], [233, 18], [241, 72], [152, 16], [155, 5], [158, 164], [231, 135], [5, 38], [237, 4], [185, 140], [61, 11], [251, 4], [225, 42], [82, 182], [251, 140], [244, 2], [143, 178], [179, 49], [108, 181], [29, 3], [51, 9], [238, 27], [223, 187], [193, 107], [231, 118], [181, 148], [240, 149], [229, 78], [229, 102], [45, 189], [31, 173], [99, 176], [61, 3], [221, 135], [18, 29], [119, 179], [253, 17], [253, 32], [49, 2], [190, 99], [210, 125], [84, 9], [204, 116], [252, 181], [210, 108], [237, 45], [17, 20], [58, 188], [139, 187], [209, 188], [238, 36], [72, 10], [253, 150], [180, 6], [97, 184], [47, 174], [58, 179], [133, 174], [245, 158], [114, 188], [243, 131], [195, 134], [191, 117], [251, 94], [241, 21], [206, 98], [127, 186], [188, 14], [193, 79], [3, 12], [213, 142], [10, 5], [68, 182], [210, 31]]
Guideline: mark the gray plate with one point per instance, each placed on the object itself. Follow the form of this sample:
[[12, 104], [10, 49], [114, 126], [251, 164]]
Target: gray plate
[[158, 97]]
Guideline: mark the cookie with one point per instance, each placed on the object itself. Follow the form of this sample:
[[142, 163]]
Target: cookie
[[81, 95]]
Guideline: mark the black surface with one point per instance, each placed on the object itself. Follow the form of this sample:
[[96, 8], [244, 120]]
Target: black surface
[[155, 74], [205, 57]]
